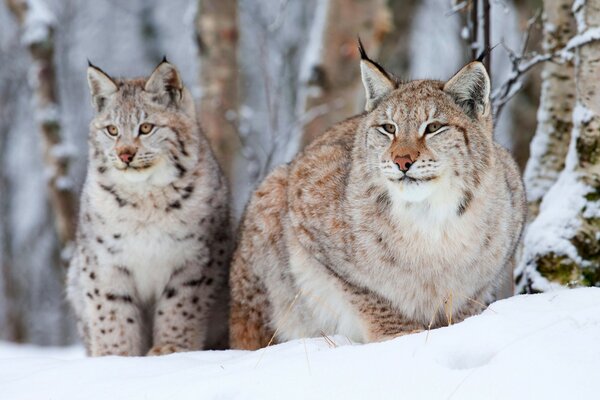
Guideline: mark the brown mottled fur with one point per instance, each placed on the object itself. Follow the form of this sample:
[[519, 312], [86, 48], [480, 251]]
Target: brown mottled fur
[[342, 241]]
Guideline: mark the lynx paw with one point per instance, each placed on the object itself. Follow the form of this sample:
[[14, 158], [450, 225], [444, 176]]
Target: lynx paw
[[385, 338], [161, 350]]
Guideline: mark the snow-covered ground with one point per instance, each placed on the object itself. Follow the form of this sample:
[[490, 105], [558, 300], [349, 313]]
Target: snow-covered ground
[[544, 346]]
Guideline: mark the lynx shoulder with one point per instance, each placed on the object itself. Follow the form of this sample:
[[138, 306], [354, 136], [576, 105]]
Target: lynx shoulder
[[393, 219], [153, 241]]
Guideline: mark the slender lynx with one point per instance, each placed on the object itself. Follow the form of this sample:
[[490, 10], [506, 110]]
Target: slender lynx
[[388, 220], [153, 242]]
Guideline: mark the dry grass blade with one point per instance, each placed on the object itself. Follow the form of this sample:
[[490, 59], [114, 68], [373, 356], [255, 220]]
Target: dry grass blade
[[448, 308], [478, 303], [431, 321], [306, 353], [285, 318], [330, 342]]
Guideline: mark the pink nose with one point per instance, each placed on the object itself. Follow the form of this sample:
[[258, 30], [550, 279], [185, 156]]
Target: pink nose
[[126, 157], [404, 162]]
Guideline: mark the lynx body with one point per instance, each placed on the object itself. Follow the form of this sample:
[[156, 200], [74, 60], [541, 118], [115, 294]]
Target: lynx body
[[153, 242], [394, 219]]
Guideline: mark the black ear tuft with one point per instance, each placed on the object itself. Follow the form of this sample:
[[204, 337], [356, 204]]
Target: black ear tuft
[[90, 63], [482, 55], [377, 82], [361, 49], [364, 57], [101, 85], [485, 53], [164, 59]]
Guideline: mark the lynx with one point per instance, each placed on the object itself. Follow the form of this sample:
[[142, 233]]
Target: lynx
[[394, 220], [153, 241]]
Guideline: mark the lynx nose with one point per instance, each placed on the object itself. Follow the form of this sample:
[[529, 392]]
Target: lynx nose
[[404, 162], [126, 156]]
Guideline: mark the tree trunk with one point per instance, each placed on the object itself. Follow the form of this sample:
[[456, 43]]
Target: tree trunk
[[551, 141], [38, 34], [561, 245], [330, 77], [217, 38], [395, 48], [12, 326]]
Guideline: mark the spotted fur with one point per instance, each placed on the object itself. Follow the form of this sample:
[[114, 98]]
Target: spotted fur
[[153, 243], [343, 241]]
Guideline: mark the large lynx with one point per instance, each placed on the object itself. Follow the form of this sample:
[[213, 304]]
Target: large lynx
[[387, 222], [153, 243]]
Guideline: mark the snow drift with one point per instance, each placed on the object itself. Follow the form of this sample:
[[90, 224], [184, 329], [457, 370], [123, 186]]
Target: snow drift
[[535, 346]]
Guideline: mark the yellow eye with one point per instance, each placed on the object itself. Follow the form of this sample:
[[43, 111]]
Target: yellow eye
[[389, 128], [112, 130], [146, 128], [433, 127]]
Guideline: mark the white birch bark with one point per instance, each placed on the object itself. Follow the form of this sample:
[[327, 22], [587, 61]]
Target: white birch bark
[[561, 245], [38, 34], [551, 141]]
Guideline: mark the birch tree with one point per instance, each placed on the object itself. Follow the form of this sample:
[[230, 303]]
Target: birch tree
[[394, 52], [330, 78], [11, 321], [561, 245], [550, 143], [217, 37], [37, 23]]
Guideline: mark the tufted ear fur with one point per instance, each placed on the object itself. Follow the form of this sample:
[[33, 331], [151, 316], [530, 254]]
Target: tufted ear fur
[[376, 80], [470, 89], [101, 86], [165, 82]]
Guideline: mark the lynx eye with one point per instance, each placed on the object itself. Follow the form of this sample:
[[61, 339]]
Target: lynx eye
[[112, 130], [433, 127], [389, 128], [146, 128]]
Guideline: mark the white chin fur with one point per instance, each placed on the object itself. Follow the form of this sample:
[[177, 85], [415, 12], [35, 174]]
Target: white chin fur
[[412, 192], [136, 176], [158, 174]]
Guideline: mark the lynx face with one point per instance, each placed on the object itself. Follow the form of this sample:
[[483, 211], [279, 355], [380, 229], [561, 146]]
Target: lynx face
[[420, 135], [132, 139], [138, 124]]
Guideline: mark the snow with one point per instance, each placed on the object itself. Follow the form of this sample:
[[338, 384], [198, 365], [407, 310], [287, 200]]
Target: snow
[[534, 346], [313, 52], [39, 20], [536, 183], [579, 12]]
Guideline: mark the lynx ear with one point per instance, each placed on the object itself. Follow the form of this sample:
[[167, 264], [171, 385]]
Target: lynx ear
[[376, 80], [165, 82], [101, 86], [470, 89]]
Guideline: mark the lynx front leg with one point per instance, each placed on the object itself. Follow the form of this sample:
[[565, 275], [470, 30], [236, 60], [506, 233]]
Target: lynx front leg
[[386, 325], [182, 311], [382, 321], [114, 324], [249, 327]]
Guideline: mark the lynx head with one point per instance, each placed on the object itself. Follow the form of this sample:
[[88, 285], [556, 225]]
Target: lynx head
[[143, 129], [426, 137]]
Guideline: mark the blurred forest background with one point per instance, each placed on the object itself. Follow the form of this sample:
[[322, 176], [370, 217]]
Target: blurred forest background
[[268, 77]]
